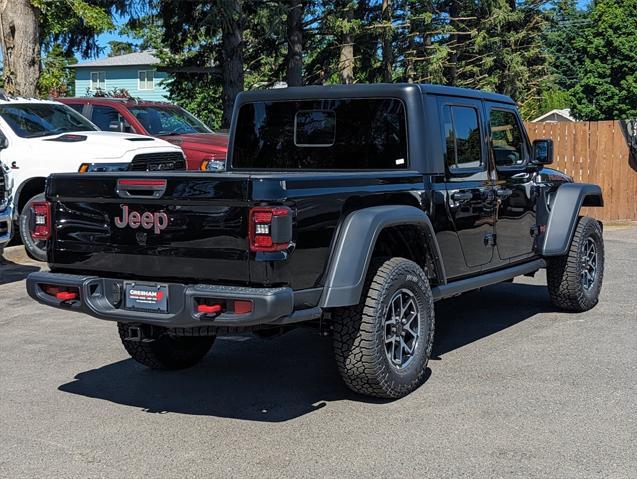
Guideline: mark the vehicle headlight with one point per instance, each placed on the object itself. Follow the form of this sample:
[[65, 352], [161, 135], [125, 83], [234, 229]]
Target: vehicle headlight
[[213, 165], [102, 167]]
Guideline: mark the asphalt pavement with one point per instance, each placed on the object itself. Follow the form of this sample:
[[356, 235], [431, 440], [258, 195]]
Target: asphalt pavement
[[515, 389]]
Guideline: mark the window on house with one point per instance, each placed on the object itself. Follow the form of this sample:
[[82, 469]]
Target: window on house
[[98, 80], [146, 80]]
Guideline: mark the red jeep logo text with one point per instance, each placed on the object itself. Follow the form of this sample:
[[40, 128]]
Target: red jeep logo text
[[155, 221]]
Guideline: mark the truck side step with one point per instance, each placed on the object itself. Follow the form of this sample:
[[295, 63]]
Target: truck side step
[[455, 288]]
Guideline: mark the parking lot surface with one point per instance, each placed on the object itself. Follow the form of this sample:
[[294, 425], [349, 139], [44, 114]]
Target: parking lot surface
[[516, 389]]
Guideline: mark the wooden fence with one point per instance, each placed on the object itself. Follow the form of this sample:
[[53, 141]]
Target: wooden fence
[[596, 152]]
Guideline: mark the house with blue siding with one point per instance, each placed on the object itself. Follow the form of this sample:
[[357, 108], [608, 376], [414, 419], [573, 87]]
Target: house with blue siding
[[135, 72]]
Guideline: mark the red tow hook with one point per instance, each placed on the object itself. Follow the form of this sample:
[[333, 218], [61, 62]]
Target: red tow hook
[[209, 308], [66, 295]]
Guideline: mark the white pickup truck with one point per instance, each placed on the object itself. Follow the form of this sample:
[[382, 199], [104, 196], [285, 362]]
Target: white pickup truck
[[40, 137]]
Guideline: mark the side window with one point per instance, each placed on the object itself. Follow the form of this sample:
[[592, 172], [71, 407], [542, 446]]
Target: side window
[[507, 141], [462, 138], [106, 118], [78, 107]]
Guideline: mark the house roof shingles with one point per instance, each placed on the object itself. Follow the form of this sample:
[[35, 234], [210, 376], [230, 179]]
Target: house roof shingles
[[137, 58]]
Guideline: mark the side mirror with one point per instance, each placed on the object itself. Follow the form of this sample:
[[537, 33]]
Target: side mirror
[[115, 126], [4, 143], [543, 152]]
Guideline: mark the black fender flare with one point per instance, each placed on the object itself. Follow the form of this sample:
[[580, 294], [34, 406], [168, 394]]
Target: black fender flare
[[565, 208], [19, 190], [354, 246]]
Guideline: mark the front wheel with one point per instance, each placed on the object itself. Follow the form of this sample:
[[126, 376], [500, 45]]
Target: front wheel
[[165, 351], [575, 279], [382, 345], [36, 249]]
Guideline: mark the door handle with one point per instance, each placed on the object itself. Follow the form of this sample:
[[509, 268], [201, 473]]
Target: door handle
[[141, 188], [462, 196], [503, 193]]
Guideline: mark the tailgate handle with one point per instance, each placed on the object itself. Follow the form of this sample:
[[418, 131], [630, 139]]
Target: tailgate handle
[[142, 188]]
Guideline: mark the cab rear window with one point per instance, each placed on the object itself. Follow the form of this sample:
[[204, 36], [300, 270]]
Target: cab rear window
[[341, 134]]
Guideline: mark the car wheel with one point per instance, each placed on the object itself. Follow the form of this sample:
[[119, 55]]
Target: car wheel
[[383, 344], [575, 279], [36, 249]]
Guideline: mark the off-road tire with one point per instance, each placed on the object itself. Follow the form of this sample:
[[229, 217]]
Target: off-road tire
[[359, 332], [167, 351], [34, 249], [564, 273]]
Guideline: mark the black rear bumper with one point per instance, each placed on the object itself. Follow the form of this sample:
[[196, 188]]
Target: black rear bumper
[[269, 305]]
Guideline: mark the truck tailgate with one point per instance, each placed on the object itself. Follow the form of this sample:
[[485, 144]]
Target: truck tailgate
[[172, 226]]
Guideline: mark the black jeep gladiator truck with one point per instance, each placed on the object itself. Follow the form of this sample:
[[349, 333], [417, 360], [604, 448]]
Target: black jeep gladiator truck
[[353, 208]]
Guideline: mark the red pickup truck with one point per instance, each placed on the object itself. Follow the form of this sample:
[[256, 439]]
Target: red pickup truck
[[204, 149]]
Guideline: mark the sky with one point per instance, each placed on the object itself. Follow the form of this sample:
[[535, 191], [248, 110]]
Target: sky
[[104, 38]]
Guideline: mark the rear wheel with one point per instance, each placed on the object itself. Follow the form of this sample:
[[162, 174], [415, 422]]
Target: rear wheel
[[36, 249], [165, 351], [382, 345], [575, 279]]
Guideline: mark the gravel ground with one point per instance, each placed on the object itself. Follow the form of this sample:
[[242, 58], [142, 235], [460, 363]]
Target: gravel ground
[[515, 389]]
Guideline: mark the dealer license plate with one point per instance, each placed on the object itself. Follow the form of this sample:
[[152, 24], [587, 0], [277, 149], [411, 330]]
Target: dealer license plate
[[146, 297]]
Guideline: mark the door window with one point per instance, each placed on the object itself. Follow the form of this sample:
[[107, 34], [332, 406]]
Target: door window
[[462, 138], [78, 107], [106, 118], [507, 142]]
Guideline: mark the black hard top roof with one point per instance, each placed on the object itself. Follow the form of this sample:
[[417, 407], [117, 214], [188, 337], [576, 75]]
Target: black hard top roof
[[399, 90]]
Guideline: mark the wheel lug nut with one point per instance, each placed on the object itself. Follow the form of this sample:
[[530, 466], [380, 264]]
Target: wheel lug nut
[[402, 334]]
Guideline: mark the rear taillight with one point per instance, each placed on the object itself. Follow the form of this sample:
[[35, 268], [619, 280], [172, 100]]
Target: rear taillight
[[270, 228], [41, 211]]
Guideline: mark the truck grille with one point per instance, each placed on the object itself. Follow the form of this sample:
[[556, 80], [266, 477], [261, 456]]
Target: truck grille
[[158, 162]]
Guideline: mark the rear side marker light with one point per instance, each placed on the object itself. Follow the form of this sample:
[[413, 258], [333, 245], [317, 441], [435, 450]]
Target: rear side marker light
[[242, 307], [41, 211], [270, 228], [208, 308]]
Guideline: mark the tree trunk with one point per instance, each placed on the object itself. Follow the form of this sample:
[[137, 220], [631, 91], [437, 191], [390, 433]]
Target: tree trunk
[[232, 52], [452, 70], [366, 44], [20, 35], [410, 70], [295, 43], [346, 57], [388, 53]]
